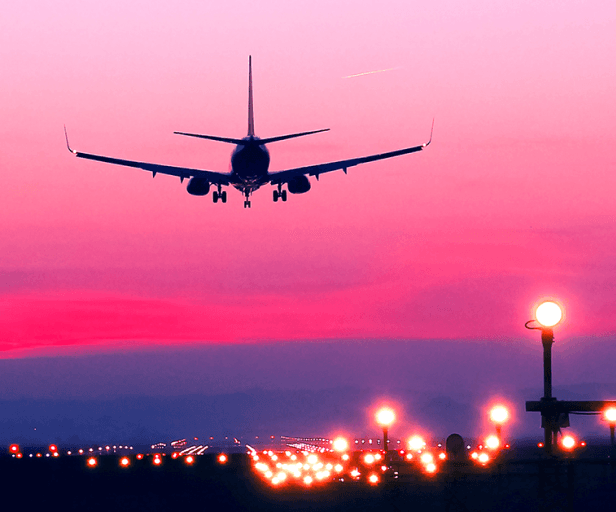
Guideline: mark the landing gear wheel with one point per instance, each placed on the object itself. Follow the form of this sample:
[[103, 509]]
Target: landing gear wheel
[[246, 204], [215, 196], [283, 195], [223, 196], [276, 195]]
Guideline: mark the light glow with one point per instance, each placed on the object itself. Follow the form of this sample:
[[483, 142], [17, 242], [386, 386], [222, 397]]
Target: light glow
[[385, 417], [548, 314], [492, 442], [499, 414], [610, 415], [568, 442], [340, 444], [416, 443]]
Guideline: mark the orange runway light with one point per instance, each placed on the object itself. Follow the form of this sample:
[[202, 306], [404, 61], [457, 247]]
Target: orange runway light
[[92, 462], [53, 448], [416, 443], [568, 442], [307, 480], [492, 442], [19, 455], [369, 459], [124, 462], [484, 458], [431, 468], [222, 458], [14, 448], [139, 456], [340, 444], [373, 479], [189, 459], [157, 461], [427, 458]]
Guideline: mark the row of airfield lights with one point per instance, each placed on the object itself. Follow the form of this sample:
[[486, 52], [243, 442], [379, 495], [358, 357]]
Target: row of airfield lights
[[306, 466]]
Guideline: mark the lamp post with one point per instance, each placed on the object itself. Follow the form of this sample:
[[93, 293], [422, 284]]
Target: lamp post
[[548, 314], [610, 417], [499, 415], [385, 417]]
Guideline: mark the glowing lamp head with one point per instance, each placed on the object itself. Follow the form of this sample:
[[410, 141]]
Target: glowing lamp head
[[222, 458], [385, 417], [610, 415], [124, 462], [14, 448], [92, 462], [499, 414], [548, 314], [340, 444]]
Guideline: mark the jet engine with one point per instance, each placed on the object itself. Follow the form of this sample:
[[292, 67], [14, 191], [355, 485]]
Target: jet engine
[[198, 187], [299, 185]]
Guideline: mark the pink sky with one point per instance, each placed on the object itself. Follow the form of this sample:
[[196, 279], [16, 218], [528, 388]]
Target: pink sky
[[514, 200]]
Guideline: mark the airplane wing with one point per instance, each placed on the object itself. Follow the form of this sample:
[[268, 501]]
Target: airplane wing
[[280, 177], [216, 178]]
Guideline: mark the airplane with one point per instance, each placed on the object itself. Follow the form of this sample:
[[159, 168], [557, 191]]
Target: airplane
[[249, 163]]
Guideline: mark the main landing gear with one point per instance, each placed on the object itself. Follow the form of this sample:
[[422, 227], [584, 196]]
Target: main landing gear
[[220, 194], [282, 194], [246, 201]]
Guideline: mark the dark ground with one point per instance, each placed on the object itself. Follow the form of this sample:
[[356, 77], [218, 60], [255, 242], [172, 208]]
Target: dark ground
[[67, 484]]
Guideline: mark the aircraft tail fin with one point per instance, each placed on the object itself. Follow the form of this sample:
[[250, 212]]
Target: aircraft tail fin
[[251, 117]]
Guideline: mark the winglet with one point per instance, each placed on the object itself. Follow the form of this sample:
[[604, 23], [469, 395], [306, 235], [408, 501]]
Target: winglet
[[67, 144], [431, 132]]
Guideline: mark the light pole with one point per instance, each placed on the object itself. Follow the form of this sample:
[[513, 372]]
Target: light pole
[[499, 415], [385, 417], [610, 417], [548, 314]]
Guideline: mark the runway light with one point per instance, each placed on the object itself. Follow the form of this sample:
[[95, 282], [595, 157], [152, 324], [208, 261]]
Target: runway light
[[409, 456], [568, 442], [14, 448], [340, 444], [157, 461], [484, 458], [139, 456], [548, 314], [369, 459], [124, 462], [53, 448], [416, 443], [345, 456], [492, 442], [373, 479], [222, 458], [92, 462], [431, 468], [307, 480], [427, 458]]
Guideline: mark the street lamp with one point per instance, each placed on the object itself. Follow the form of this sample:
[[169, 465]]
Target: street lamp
[[548, 314], [385, 417], [610, 416], [499, 415]]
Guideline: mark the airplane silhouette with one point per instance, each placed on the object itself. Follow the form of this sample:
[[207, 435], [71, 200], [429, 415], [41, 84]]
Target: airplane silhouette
[[249, 164]]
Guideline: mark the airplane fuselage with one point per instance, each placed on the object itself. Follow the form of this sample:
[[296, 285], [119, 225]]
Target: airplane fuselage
[[250, 163]]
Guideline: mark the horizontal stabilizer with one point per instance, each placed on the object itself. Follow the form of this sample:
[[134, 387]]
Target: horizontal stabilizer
[[290, 136], [212, 137]]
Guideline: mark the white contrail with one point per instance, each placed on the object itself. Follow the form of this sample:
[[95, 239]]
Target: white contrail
[[371, 72]]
